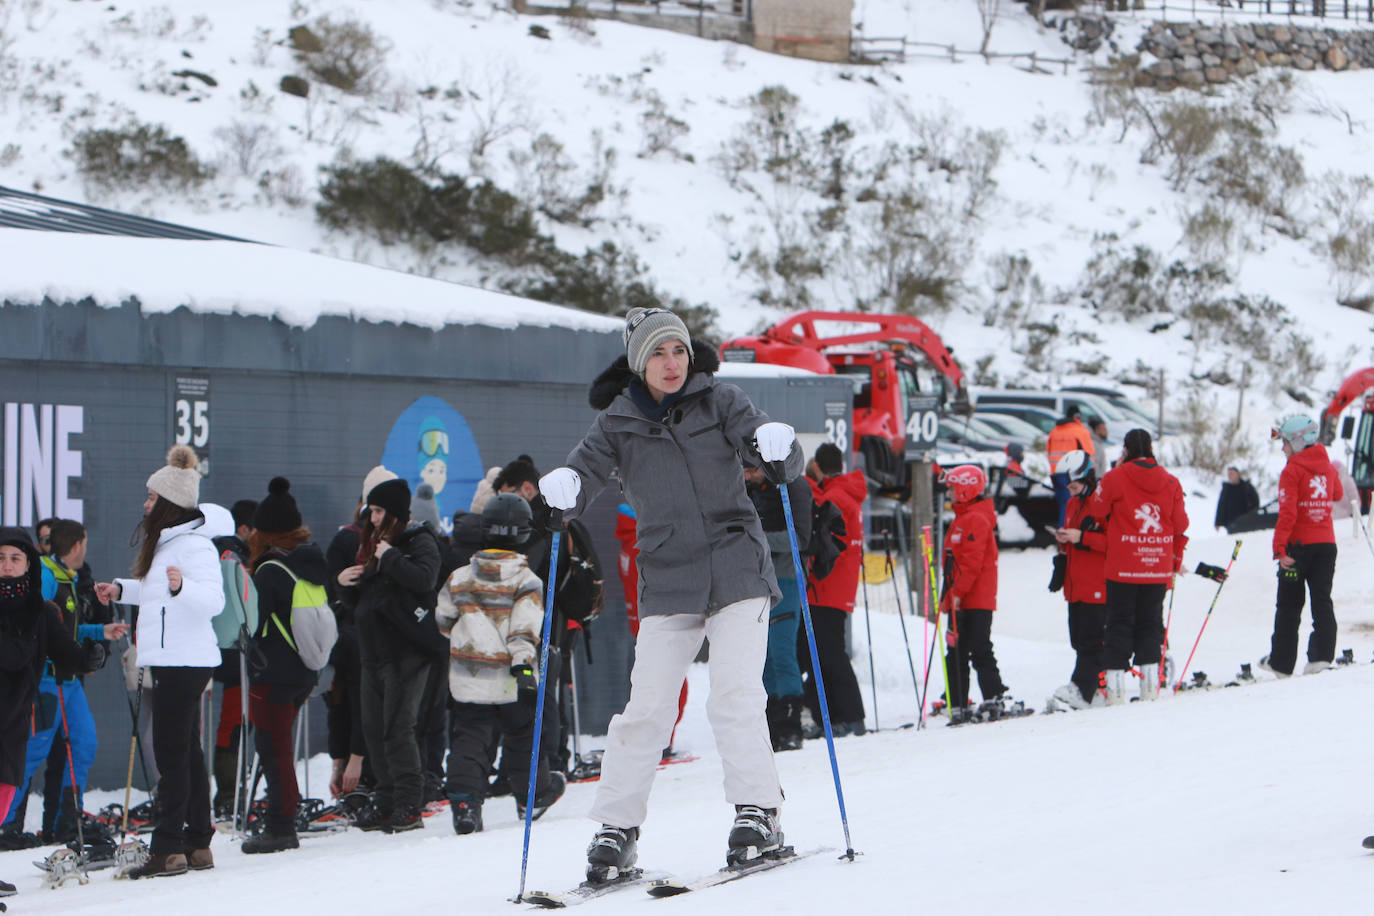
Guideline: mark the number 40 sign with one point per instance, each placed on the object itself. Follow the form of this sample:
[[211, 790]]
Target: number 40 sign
[[922, 426]]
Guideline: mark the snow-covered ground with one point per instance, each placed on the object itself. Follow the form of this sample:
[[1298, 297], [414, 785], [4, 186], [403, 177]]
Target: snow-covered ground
[[1250, 799]]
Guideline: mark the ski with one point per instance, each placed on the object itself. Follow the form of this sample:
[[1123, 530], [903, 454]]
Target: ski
[[634, 877], [786, 855]]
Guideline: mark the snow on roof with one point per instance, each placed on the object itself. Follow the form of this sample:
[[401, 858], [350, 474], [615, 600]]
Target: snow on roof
[[223, 277], [730, 369]]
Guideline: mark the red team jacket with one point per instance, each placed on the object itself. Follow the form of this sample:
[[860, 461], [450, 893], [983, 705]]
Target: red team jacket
[[1308, 487], [847, 492], [971, 556], [1143, 507], [1085, 577]]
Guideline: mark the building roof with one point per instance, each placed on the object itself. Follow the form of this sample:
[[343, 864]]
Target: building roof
[[21, 210]]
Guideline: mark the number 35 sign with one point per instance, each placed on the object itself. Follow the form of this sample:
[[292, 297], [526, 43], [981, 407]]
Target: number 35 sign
[[191, 417]]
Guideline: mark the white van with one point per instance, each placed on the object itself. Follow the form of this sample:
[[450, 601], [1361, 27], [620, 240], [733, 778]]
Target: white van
[[1061, 402]]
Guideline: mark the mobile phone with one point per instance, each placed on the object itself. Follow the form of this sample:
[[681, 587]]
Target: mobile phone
[[1052, 529]]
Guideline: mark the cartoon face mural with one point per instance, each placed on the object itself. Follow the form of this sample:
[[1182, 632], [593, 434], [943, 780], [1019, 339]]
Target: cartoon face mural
[[431, 443]]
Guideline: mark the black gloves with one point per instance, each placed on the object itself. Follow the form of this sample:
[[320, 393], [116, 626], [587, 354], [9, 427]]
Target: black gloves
[[1060, 567], [93, 655], [526, 684]]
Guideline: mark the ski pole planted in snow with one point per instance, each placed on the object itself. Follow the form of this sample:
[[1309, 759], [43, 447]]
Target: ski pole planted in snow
[[868, 629], [1221, 581], [556, 523], [901, 617], [931, 601], [79, 813], [800, 572]]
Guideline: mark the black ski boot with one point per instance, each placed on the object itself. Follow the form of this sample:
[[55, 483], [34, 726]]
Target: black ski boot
[[611, 853], [266, 842], [467, 813], [756, 832], [543, 801]]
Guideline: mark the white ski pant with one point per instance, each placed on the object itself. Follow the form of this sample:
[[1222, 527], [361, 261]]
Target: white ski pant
[[738, 635]]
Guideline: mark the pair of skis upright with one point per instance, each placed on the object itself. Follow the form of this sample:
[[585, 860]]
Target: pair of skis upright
[[661, 885]]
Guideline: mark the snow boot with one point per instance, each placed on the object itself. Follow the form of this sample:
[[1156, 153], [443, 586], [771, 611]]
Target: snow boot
[[789, 734], [267, 842], [543, 801], [1149, 682], [9, 890], [467, 813], [371, 817], [160, 865], [756, 832], [1265, 666], [612, 851], [1116, 687], [1315, 667], [1069, 695], [404, 818], [201, 859]]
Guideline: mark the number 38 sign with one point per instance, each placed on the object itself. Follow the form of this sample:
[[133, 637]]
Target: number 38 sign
[[191, 417], [922, 426]]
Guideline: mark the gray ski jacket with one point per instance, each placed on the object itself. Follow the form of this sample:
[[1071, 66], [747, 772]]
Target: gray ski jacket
[[701, 545]]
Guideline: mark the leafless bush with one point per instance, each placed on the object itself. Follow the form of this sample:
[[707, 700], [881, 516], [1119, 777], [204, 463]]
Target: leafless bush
[[1349, 243], [662, 130], [499, 108], [248, 146]]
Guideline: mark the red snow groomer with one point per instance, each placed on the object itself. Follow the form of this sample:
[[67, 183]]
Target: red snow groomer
[[890, 358], [1359, 384]]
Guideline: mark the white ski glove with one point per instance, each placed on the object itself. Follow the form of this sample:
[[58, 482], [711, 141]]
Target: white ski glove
[[560, 487], [774, 441]]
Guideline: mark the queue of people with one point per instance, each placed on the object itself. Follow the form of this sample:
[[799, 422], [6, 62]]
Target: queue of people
[[434, 642]]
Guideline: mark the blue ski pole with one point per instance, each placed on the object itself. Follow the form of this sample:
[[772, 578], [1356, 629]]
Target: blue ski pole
[[849, 852], [555, 521]]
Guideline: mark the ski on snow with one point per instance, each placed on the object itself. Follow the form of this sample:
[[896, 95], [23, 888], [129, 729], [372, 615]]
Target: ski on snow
[[671, 887], [634, 877]]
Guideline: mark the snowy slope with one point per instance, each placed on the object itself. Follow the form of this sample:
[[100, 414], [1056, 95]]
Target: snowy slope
[[1245, 799], [1060, 182]]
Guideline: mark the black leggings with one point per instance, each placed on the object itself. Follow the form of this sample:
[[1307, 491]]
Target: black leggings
[[183, 789]]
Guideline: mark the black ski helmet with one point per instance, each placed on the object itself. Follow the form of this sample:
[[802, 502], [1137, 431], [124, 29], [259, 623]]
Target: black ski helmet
[[506, 520]]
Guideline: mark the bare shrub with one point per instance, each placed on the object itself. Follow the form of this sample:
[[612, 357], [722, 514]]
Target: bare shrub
[[498, 108], [353, 58], [248, 146], [1349, 243], [662, 130]]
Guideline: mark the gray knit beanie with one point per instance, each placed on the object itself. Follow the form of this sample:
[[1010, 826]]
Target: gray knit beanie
[[645, 329], [179, 481]]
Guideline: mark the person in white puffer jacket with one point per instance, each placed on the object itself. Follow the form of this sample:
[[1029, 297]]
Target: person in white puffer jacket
[[178, 590]]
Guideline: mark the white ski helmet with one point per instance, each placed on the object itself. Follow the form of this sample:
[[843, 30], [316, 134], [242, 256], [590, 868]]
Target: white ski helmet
[[1297, 430], [1075, 465]]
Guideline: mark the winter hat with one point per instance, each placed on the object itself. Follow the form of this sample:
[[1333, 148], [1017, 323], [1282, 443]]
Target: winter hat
[[393, 496], [423, 507], [374, 477], [645, 329], [278, 511], [179, 481]]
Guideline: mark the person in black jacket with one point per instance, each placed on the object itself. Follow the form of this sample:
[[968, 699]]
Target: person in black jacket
[[1237, 497], [31, 632], [395, 582], [279, 682]]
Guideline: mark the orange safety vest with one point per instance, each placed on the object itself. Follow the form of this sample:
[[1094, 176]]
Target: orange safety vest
[[1066, 437]]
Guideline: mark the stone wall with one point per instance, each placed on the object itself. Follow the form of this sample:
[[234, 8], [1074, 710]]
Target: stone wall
[[1193, 54], [814, 29]]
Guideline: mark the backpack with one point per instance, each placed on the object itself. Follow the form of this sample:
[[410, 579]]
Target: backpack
[[828, 538], [581, 594], [312, 621], [240, 614]]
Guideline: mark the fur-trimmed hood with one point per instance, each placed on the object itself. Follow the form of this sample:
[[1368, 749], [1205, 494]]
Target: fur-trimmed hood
[[612, 381]]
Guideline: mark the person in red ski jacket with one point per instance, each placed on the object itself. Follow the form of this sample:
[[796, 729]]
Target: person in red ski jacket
[[1142, 505], [625, 528], [970, 595], [1305, 548], [1083, 549], [832, 597]]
